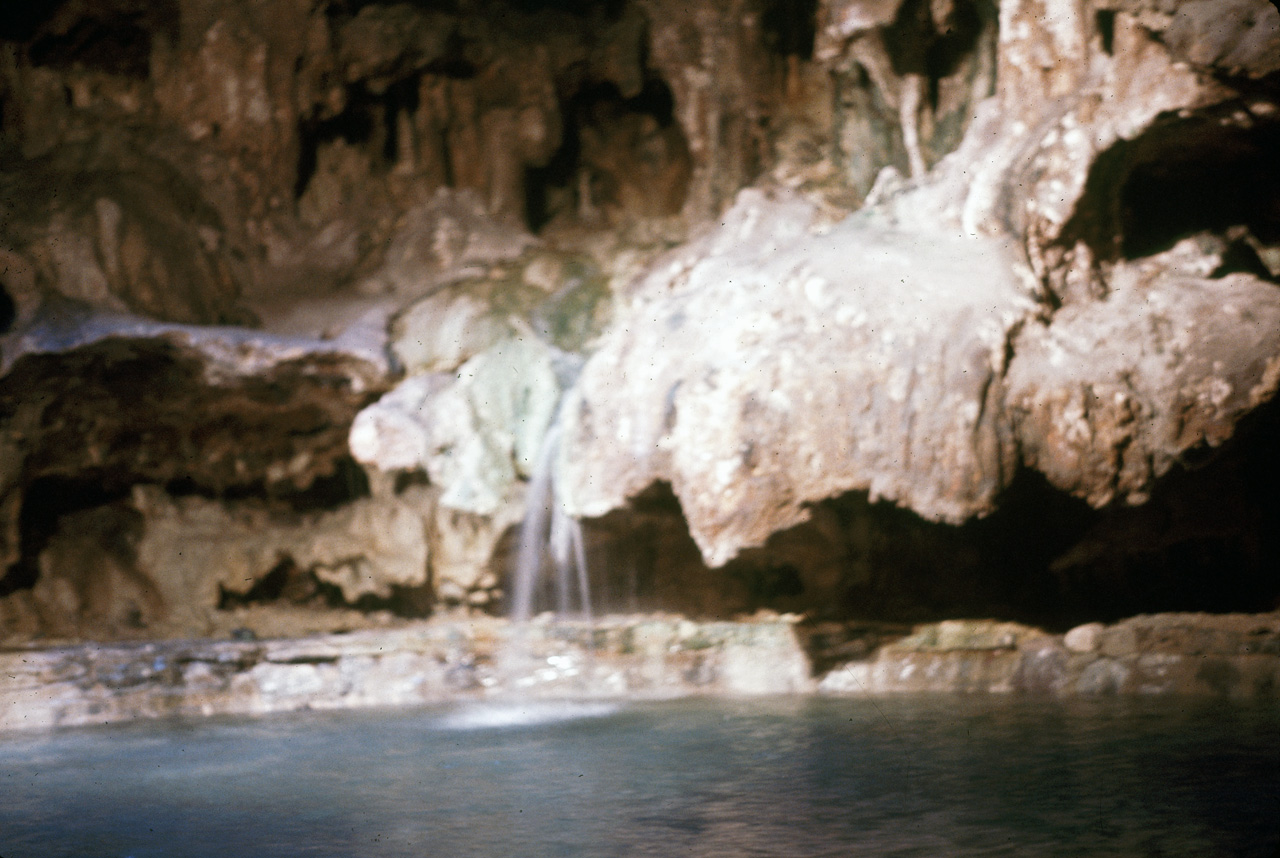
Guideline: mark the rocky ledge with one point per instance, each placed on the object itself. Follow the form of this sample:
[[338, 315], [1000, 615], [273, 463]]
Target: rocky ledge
[[1227, 655], [421, 663], [1232, 656]]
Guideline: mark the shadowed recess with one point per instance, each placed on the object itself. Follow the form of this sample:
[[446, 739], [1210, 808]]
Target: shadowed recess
[[619, 157], [1183, 177], [113, 37]]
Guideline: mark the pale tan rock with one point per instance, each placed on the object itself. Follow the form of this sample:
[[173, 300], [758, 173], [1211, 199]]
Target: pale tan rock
[[474, 432], [1085, 638], [1109, 395], [443, 331], [784, 375], [196, 550], [465, 550]]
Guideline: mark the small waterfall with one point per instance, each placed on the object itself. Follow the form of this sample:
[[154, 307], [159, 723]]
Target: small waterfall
[[541, 660], [549, 536]]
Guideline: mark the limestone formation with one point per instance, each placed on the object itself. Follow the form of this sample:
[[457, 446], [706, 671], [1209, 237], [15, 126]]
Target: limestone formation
[[321, 273], [1226, 656], [97, 404], [734, 373], [778, 362], [474, 433]]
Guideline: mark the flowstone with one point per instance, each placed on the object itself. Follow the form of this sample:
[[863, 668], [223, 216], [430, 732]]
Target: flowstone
[[792, 265]]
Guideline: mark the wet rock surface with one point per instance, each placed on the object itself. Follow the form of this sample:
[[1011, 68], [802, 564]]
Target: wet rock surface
[[825, 287], [1227, 656], [1177, 654], [649, 657]]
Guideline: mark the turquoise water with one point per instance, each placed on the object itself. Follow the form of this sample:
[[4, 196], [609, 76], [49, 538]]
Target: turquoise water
[[803, 777]]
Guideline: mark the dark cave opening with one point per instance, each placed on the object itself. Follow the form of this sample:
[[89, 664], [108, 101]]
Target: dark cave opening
[[346, 483], [123, 48], [116, 39], [287, 583], [1209, 173], [49, 499], [124, 413], [8, 309], [348, 8], [955, 41], [608, 9], [926, 49], [284, 582], [358, 124], [399, 99], [371, 119], [580, 8], [547, 188], [619, 157], [790, 26], [1216, 178], [21, 21], [1105, 22]]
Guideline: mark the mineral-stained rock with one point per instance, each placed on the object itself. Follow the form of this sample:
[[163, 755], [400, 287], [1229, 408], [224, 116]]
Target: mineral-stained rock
[[473, 433], [198, 551], [117, 229], [1197, 654], [1067, 263], [967, 636], [124, 400], [1234, 36], [464, 548], [1111, 394], [563, 298], [774, 363], [442, 240]]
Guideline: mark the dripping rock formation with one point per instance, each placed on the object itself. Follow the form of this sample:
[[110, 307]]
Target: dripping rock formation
[[886, 310]]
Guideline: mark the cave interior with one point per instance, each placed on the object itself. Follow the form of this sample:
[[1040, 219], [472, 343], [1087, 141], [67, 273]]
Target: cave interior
[[565, 117]]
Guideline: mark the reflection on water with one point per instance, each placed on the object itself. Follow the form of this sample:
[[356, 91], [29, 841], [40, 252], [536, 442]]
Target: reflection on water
[[531, 713], [800, 777]]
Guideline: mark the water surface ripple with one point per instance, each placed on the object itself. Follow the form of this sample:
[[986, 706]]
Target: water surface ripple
[[929, 776]]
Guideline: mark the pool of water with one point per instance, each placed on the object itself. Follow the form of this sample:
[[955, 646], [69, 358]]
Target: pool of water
[[939, 776]]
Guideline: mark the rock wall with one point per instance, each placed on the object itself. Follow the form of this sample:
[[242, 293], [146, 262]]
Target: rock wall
[[306, 283]]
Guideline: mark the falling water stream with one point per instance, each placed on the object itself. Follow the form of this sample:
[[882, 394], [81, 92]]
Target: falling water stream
[[550, 541], [548, 529]]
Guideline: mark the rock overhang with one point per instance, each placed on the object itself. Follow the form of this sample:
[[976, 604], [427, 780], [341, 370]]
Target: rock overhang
[[778, 362]]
